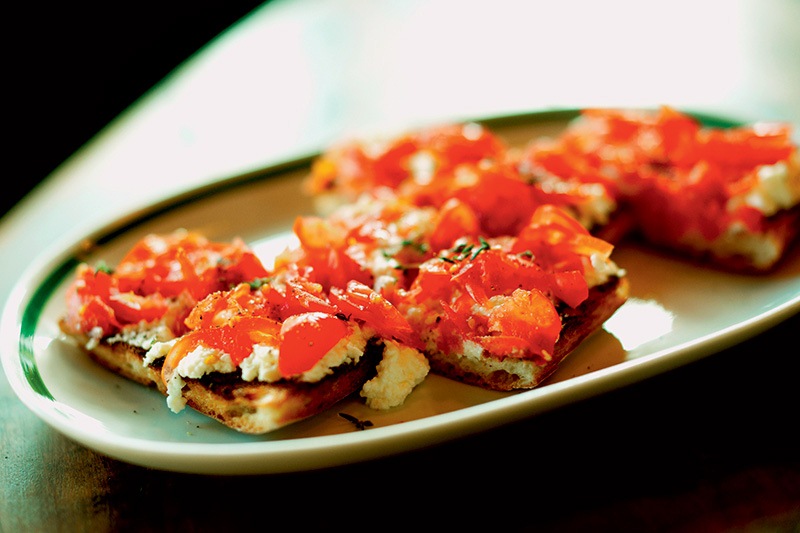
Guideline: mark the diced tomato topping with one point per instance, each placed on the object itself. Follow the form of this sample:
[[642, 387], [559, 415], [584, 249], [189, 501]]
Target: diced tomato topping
[[761, 144], [669, 166], [356, 167], [130, 308], [162, 276], [304, 296], [454, 221], [501, 200], [185, 261]]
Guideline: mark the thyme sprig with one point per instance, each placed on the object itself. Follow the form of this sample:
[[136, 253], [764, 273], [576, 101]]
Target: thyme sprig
[[359, 424], [466, 251]]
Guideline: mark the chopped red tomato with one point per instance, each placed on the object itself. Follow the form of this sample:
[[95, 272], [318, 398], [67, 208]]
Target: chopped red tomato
[[324, 249], [222, 307], [185, 261], [557, 242], [761, 144], [670, 167], [362, 303], [355, 167], [454, 221], [87, 302], [528, 315], [518, 322], [130, 308], [501, 200], [161, 277], [304, 296], [462, 143], [306, 338]]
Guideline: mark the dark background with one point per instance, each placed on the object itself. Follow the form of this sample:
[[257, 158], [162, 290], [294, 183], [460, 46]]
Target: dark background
[[74, 66]]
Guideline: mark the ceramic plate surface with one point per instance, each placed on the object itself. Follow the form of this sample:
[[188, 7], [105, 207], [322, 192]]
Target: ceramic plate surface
[[670, 320]]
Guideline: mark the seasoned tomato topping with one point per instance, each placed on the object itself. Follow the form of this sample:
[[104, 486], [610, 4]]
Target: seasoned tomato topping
[[504, 293], [668, 166], [403, 162], [161, 277], [291, 313]]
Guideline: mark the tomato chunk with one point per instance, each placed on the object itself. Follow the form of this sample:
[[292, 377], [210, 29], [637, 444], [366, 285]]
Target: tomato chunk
[[361, 302], [306, 338]]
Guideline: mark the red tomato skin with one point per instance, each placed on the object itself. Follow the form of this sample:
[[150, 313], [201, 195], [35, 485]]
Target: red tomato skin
[[360, 302], [161, 277], [306, 338]]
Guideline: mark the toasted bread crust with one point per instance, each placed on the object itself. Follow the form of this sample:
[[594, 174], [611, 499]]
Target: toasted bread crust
[[258, 407], [512, 373], [120, 358]]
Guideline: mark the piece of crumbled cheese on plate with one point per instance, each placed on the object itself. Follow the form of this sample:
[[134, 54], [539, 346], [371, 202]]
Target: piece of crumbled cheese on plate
[[262, 364], [144, 334], [401, 369]]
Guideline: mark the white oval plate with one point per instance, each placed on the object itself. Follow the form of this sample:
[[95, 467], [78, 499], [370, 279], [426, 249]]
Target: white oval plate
[[669, 321]]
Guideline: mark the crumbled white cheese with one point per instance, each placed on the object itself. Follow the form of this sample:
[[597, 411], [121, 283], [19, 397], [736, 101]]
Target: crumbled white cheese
[[158, 351], [602, 270], [472, 350], [475, 354], [465, 176], [175, 400], [143, 334], [380, 265], [95, 334], [203, 360], [598, 206], [738, 240], [416, 223], [262, 364], [777, 188], [401, 369], [195, 364], [594, 206], [422, 166], [385, 282]]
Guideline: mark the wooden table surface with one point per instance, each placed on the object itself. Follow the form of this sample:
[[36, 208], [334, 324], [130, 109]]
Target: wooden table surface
[[710, 446]]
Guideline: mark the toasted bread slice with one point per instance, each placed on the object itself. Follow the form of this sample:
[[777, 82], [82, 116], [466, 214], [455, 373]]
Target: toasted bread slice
[[738, 249], [258, 407], [513, 373]]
